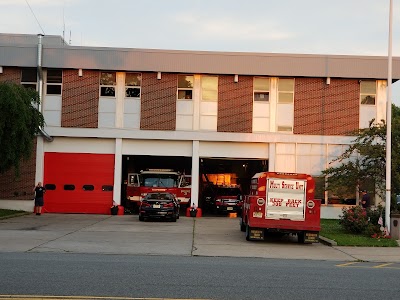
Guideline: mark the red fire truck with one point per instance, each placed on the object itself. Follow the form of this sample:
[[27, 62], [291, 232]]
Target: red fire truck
[[282, 203], [158, 180]]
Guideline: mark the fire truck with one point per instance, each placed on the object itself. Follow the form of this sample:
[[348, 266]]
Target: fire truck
[[281, 203], [158, 180]]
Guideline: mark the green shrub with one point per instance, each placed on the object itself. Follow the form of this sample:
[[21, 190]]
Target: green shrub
[[354, 219]]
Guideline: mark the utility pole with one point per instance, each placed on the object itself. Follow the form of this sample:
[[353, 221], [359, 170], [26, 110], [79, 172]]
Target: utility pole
[[389, 124]]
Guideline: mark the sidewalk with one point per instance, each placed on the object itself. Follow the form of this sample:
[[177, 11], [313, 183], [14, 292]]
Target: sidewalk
[[208, 236]]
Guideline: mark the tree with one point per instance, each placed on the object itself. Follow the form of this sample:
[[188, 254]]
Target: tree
[[364, 162], [20, 121]]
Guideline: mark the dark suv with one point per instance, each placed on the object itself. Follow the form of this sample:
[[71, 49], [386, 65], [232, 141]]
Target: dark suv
[[159, 205]]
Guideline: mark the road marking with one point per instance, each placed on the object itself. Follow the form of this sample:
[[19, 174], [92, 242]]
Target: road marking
[[383, 265], [39, 297], [348, 264]]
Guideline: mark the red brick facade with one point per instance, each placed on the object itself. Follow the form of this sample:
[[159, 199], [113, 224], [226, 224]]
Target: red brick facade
[[12, 188], [322, 109], [158, 102], [235, 104], [11, 74], [80, 99]]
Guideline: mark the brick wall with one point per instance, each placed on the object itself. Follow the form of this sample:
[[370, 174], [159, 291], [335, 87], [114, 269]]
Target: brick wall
[[80, 99], [11, 74], [321, 109], [235, 104], [158, 102], [19, 188]]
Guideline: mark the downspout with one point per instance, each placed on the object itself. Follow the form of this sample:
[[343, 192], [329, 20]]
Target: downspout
[[40, 85]]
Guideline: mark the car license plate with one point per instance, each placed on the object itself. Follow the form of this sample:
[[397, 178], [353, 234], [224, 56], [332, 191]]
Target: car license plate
[[156, 206], [257, 214], [229, 208]]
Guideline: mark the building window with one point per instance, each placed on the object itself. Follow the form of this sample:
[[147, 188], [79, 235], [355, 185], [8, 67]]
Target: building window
[[285, 128], [88, 187], [107, 188], [367, 92], [107, 84], [132, 85], [185, 87], [261, 88], [54, 82], [69, 187], [209, 88], [285, 91], [29, 78]]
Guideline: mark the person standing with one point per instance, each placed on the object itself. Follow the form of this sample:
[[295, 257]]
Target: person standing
[[39, 192], [366, 199]]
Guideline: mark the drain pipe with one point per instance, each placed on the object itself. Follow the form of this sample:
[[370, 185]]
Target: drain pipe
[[40, 84]]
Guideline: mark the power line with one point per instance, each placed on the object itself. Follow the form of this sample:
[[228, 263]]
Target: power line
[[34, 16]]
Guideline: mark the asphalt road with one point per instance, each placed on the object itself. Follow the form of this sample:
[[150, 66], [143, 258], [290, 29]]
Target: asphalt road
[[138, 276]]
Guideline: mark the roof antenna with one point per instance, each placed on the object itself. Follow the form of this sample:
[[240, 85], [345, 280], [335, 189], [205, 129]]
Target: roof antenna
[[35, 16], [70, 37]]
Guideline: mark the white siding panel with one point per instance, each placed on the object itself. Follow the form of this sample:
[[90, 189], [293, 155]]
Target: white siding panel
[[233, 150], [208, 108], [52, 103], [285, 115], [305, 149], [132, 106], [184, 107], [131, 121], [310, 164], [107, 105], [81, 145], [208, 123], [367, 113], [160, 148], [184, 122], [261, 124], [285, 163], [282, 148], [106, 120], [52, 118], [260, 110]]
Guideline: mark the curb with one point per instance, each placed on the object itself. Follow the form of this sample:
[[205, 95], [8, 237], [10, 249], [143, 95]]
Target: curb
[[327, 241], [15, 215]]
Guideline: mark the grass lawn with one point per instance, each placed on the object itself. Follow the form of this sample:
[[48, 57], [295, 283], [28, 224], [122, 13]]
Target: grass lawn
[[332, 230], [5, 213]]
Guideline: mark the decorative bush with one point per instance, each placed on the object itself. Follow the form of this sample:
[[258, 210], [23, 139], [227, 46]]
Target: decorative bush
[[354, 219]]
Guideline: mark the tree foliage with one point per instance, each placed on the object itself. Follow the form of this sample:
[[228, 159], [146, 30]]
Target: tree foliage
[[19, 123], [364, 161]]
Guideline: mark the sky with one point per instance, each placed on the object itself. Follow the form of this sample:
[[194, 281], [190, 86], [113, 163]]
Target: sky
[[345, 27]]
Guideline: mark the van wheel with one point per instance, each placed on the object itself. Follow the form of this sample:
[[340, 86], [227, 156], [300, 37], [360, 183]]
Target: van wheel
[[242, 225], [248, 228]]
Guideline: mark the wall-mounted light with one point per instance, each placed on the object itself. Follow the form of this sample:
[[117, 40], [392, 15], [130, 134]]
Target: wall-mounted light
[[1, 69], [236, 78], [158, 75], [80, 73], [328, 80]]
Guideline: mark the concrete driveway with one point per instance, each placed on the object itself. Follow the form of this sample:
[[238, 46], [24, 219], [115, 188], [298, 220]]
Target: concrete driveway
[[208, 236]]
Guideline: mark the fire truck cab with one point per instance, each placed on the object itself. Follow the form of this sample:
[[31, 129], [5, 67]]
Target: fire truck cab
[[283, 203], [158, 180]]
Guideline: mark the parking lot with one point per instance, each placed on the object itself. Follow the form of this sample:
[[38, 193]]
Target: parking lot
[[207, 236]]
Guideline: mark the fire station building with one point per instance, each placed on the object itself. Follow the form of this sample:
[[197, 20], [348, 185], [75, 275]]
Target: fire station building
[[111, 111]]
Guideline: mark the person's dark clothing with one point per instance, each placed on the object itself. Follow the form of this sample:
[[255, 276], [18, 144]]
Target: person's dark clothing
[[39, 191], [367, 200]]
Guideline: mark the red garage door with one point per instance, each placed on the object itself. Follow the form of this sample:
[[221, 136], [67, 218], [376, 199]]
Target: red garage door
[[78, 182]]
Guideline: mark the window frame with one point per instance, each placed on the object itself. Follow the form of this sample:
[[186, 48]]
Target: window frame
[[261, 91], [108, 86], [29, 84], [367, 94], [133, 86], [53, 83], [203, 89], [285, 91], [185, 89]]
